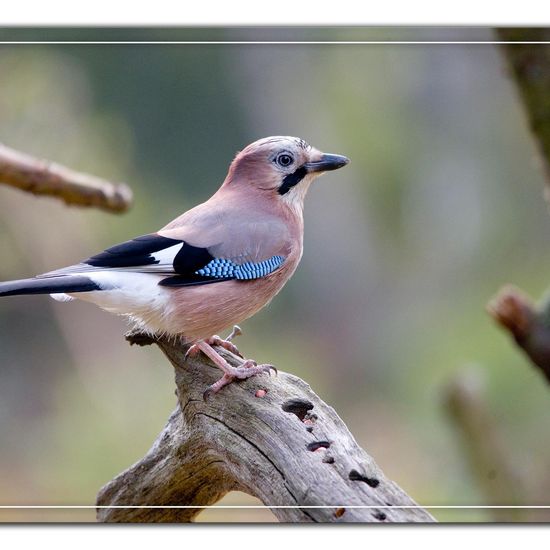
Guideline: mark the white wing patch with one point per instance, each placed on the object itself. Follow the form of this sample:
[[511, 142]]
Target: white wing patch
[[165, 259], [61, 297]]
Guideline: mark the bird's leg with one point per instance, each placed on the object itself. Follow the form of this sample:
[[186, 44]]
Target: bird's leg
[[246, 370], [215, 340]]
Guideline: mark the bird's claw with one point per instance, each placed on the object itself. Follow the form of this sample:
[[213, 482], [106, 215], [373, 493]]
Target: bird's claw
[[248, 369], [217, 386], [216, 340], [245, 370], [225, 344], [251, 364]]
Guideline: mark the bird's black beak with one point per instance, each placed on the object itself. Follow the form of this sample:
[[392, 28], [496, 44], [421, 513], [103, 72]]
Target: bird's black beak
[[326, 162]]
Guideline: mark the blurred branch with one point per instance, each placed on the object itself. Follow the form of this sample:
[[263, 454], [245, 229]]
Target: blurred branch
[[42, 177], [488, 459], [529, 65], [529, 326], [271, 437]]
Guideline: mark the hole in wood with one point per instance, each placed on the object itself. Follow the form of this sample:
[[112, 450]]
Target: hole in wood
[[354, 475], [299, 407], [380, 516], [316, 445], [339, 512]]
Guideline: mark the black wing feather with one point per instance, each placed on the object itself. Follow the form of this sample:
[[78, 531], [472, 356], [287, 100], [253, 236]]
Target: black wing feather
[[140, 252], [187, 261], [192, 280], [52, 285], [191, 258]]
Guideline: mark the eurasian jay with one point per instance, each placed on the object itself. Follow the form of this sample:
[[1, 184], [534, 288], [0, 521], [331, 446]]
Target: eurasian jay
[[215, 265]]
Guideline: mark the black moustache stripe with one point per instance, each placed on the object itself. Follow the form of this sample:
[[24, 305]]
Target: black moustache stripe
[[292, 179]]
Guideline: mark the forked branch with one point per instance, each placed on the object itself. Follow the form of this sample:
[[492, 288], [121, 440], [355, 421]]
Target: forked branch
[[270, 437]]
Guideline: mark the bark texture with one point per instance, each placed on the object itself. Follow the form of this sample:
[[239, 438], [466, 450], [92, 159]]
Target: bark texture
[[42, 177], [271, 437]]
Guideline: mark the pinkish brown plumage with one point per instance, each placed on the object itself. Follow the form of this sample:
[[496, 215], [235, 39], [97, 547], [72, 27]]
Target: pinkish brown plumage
[[215, 265]]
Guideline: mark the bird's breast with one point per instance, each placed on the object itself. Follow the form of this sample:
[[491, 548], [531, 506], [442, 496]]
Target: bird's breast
[[198, 312]]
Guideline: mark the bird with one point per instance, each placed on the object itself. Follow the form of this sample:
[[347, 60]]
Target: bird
[[212, 267]]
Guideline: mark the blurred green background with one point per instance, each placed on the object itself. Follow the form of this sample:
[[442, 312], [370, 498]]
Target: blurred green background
[[441, 204]]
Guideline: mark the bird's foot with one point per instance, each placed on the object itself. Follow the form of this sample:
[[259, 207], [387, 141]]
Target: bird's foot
[[230, 373], [246, 370], [216, 340]]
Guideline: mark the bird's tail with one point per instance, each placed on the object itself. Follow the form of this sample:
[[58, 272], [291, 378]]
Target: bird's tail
[[48, 285]]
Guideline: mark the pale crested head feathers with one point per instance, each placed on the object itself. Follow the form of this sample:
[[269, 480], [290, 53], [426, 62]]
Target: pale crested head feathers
[[281, 167]]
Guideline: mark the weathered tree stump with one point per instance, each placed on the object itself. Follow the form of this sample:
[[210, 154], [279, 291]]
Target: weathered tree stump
[[281, 444]]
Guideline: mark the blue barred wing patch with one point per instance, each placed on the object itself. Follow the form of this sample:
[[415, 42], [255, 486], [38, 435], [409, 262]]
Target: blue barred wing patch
[[220, 268]]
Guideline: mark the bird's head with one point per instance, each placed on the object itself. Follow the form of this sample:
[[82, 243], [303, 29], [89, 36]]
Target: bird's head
[[281, 167]]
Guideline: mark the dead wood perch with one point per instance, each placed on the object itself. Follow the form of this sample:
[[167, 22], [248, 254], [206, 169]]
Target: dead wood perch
[[42, 177], [285, 447]]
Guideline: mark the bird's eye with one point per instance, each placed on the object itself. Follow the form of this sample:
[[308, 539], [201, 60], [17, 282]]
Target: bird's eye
[[284, 160]]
